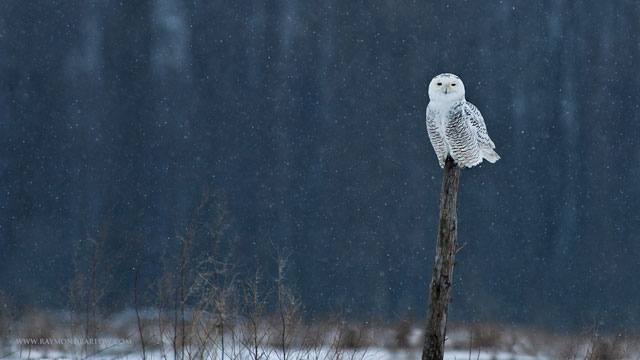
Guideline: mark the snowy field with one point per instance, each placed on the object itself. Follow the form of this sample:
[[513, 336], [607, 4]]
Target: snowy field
[[370, 354], [48, 336], [507, 345], [373, 353]]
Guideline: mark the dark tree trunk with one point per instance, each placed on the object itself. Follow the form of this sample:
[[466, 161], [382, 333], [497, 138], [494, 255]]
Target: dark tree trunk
[[440, 288]]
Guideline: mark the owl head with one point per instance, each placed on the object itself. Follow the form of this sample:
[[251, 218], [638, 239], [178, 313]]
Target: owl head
[[446, 87]]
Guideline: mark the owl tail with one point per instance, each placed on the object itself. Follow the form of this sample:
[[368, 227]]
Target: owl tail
[[490, 155]]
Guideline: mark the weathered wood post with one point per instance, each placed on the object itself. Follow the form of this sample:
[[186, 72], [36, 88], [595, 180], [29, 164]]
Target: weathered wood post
[[440, 288]]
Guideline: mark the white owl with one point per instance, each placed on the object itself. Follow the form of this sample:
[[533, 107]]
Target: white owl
[[455, 126]]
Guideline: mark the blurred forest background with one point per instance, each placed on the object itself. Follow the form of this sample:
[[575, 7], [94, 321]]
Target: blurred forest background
[[306, 119]]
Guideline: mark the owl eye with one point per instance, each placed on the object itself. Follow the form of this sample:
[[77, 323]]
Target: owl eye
[[453, 84], [439, 84]]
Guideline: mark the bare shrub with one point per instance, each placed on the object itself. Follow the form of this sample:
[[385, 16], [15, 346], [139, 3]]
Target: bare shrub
[[402, 330], [288, 309], [486, 336], [37, 325], [401, 336], [202, 307], [7, 320], [195, 295], [255, 330], [86, 291], [605, 348]]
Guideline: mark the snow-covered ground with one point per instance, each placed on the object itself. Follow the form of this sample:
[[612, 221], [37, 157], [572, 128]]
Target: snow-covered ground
[[47, 337], [369, 354]]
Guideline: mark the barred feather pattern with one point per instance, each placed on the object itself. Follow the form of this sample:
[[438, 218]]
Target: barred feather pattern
[[460, 132], [461, 138], [435, 132]]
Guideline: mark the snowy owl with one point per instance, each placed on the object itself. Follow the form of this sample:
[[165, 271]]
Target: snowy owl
[[455, 126]]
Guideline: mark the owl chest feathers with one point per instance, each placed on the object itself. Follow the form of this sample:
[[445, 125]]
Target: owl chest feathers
[[448, 121], [452, 133]]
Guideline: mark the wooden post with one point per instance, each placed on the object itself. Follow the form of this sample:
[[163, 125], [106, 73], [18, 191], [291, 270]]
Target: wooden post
[[440, 288]]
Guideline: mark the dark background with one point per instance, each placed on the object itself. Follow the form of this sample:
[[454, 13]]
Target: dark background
[[306, 119]]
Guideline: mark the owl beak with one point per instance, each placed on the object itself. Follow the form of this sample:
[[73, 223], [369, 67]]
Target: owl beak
[[446, 89]]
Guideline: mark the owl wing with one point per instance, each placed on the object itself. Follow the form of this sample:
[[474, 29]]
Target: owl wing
[[476, 121], [485, 144], [460, 134], [436, 137]]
